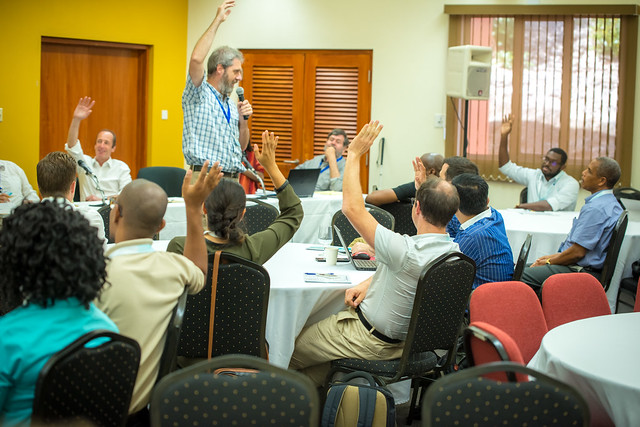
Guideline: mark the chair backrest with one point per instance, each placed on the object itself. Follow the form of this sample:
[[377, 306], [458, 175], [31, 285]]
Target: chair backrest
[[524, 196], [522, 258], [104, 212], [626, 193], [91, 379], [76, 194], [617, 236], [259, 216], [402, 214], [200, 396], [485, 343], [167, 177], [572, 296], [468, 397], [242, 297], [441, 299], [170, 352], [636, 306], [513, 307], [349, 233]]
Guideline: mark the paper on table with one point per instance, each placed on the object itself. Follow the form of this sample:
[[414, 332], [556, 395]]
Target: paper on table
[[326, 278]]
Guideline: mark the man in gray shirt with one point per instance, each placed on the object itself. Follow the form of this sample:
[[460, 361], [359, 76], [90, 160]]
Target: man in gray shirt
[[331, 163]]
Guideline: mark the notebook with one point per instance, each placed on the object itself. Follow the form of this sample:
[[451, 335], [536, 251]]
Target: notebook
[[359, 264], [303, 181]]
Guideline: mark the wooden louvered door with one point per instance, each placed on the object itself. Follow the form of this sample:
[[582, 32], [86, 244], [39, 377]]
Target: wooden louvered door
[[303, 95]]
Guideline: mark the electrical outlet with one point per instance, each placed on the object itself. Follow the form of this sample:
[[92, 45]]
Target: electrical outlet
[[0, 114], [165, 114], [438, 121]]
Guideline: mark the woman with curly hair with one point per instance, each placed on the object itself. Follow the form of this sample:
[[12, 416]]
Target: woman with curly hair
[[225, 207], [53, 267]]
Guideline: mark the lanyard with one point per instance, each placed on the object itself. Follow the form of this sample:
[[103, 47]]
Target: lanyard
[[327, 167], [227, 113]]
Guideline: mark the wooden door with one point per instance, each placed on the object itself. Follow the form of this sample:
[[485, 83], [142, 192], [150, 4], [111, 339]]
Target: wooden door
[[306, 94], [115, 76]]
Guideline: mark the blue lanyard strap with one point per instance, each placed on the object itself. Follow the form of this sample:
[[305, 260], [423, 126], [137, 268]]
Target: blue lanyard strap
[[227, 113], [327, 167]]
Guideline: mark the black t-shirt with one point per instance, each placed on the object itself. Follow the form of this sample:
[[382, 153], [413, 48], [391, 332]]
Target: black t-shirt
[[405, 192]]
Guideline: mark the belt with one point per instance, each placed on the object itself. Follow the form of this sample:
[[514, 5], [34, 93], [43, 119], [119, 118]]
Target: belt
[[198, 168], [374, 331]]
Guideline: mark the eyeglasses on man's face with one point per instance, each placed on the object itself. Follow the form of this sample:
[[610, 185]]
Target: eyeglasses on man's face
[[548, 161]]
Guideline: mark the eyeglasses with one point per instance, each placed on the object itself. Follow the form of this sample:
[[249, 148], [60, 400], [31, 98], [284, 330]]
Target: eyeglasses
[[547, 160], [413, 201]]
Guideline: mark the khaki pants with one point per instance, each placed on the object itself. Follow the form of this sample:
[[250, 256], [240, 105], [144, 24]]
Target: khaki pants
[[339, 336]]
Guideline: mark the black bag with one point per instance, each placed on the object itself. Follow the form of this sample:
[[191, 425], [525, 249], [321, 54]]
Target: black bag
[[635, 270], [361, 405]]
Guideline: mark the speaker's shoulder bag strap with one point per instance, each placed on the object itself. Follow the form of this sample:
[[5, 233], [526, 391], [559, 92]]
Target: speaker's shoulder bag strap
[[214, 285]]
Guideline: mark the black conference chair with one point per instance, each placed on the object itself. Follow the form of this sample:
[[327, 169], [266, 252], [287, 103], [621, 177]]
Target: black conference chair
[[613, 250], [524, 195], [240, 317], [522, 258], [401, 212], [203, 394], [167, 177], [468, 397], [626, 193], [91, 380], [440, 302], [105, 212], [627, 293], [349, 233], [170, 352], [259, 216]]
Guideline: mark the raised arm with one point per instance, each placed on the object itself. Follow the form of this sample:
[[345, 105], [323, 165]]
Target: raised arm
[[194, 195], [201, 50], [420, 172], [267, 157], [505, 130], [352, 201], [82, 111]]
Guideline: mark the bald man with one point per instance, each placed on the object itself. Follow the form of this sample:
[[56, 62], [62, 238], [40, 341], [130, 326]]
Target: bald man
[[146, 285], [403, 193]]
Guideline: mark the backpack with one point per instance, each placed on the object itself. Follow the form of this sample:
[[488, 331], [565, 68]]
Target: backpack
[[361, 405]]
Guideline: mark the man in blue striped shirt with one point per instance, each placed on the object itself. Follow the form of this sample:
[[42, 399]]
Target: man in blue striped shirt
[[482, 235], [215, 128]]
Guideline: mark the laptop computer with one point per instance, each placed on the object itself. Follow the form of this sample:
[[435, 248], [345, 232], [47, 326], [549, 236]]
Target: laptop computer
[[359, 264], [304, 181]]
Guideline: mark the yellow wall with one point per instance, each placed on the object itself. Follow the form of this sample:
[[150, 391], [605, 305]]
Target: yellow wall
[[159, 23]]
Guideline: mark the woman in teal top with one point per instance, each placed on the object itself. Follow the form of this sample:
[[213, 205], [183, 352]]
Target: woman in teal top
[[225, 207], [45, 296]]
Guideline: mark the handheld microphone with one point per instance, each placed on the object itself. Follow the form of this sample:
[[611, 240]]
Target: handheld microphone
[[240, 93], [84, 166]]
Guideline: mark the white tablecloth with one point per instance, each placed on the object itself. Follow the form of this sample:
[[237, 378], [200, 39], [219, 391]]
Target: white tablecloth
[[599, 357], [550, 229], [318, 210]]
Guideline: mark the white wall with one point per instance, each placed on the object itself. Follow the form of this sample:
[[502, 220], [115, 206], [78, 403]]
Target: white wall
[[409, 39]]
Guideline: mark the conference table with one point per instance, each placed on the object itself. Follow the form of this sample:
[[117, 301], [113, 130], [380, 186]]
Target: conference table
[[599, 357]]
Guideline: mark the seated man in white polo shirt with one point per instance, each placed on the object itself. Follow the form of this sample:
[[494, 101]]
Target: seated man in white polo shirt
[[112, 174], [549, 188]]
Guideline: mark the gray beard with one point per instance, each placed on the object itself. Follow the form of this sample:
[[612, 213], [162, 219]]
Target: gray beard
[[226, 88]]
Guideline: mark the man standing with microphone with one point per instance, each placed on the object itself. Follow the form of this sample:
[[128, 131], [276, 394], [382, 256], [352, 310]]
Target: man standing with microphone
[[215, 128]]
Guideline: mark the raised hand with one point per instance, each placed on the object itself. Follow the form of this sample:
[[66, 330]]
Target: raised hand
[[364, 140], [83, 109], [224, 10], [195, 194], [269, 144], [420, 172], [507, 123]]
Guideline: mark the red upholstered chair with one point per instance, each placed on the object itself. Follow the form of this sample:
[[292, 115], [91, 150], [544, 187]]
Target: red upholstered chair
[[572, 296], [485, 343], [636, 307], [514, 308]]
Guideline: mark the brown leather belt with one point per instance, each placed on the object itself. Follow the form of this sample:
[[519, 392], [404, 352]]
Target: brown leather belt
[[198, 168], [375, 332]]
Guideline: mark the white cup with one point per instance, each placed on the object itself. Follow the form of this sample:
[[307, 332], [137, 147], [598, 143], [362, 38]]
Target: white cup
[[331, 255]]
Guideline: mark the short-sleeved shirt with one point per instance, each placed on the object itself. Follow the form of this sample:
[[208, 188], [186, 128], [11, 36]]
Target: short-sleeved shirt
[[14, 181], [405, 192], [401, 259], [325, 182], [112, 175], [561, 191], [483, 238], [593, 227], [30, 336], [210, 127]]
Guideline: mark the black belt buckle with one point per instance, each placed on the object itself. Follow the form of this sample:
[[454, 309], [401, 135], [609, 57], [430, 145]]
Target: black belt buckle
[[196, 168], [233, 175], [375, 332]]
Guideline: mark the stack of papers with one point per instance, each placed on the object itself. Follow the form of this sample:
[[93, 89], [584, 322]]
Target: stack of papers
[[326, 278]]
